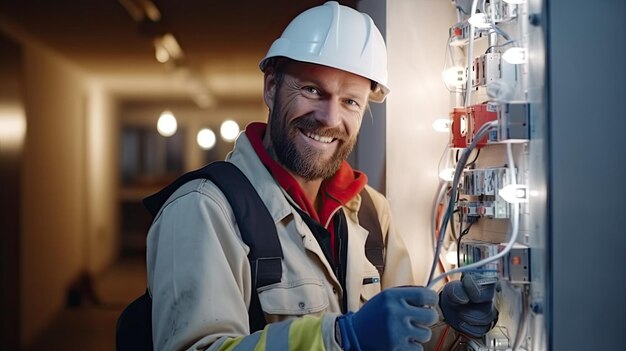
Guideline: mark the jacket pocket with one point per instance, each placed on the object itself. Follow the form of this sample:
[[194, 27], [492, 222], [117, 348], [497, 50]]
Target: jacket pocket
[[294, 298], [370, 285]]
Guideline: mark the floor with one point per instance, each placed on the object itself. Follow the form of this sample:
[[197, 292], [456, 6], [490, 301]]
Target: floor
[[92, 327]]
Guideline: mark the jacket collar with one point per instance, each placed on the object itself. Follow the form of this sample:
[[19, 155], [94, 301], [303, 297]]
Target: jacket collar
[[246, 159]]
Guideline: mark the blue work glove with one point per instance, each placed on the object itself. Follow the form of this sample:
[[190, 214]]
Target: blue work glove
[[467, 304], [395, 319]]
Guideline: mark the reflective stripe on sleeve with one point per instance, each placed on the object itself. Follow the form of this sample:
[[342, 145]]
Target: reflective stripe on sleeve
[[306, 334], [297, 334], [241, 343], [278, 336]]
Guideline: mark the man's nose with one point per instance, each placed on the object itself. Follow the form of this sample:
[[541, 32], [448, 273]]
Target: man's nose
[[329, 113]]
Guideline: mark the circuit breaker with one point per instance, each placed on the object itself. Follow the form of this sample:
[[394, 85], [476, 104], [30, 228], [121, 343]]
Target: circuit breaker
[[490, 142]]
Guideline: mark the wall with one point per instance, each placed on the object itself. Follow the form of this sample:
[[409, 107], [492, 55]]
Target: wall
[[12, 132], [101, 242], [416, 36], [68, 185]]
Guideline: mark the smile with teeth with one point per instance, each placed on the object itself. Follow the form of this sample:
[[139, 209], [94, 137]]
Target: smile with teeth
[[321, 139]]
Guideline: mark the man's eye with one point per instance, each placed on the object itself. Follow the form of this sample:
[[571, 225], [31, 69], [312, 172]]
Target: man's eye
[[352, 102], [311, 90]]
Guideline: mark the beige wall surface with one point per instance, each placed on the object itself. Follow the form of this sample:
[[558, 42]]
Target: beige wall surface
[[101, 144], [417, 32], [68, 178]]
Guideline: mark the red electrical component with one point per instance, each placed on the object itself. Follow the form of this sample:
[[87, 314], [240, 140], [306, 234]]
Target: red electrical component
[[478, 116], [458, 128]]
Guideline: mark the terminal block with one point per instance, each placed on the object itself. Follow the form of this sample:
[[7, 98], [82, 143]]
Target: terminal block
[[514, 122], [479, 115], [459, 34], [483, 186], [486, 69], [458, 127], [514, 267]]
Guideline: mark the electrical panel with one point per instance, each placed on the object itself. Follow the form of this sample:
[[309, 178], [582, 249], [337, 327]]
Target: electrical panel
[[494, 102]]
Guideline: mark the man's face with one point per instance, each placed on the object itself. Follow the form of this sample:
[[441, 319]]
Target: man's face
[[316, 112]]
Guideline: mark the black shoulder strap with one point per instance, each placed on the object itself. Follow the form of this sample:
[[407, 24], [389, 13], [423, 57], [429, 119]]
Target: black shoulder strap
[[368, 219], [256, 225]]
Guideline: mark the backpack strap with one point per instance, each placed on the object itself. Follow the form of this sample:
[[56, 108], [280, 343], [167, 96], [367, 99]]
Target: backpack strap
[[256, 225], [368, 219]]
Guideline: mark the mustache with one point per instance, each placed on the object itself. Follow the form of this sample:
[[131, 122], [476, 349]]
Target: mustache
[[312, 125]]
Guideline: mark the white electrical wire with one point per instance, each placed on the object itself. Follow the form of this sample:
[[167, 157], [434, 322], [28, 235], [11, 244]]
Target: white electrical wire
[[514, 218]]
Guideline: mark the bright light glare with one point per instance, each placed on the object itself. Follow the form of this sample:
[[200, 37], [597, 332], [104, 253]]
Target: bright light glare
[[479, 20], [515, 2], [229, 130], [167, 124], [12, 125], [451, 257], [447, 174], [206, 138], [515, 56], [442, 125], [454, 76], [514, 193], [161, 54]]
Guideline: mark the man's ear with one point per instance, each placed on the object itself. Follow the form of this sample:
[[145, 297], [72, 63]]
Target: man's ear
[[269, 88]]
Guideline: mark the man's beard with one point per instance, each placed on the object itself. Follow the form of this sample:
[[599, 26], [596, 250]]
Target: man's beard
[[304, 160]]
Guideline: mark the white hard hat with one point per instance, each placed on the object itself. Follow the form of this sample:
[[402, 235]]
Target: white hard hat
[[336, 36]]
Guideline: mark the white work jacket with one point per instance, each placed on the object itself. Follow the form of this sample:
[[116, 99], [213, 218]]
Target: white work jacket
[[199, 273]]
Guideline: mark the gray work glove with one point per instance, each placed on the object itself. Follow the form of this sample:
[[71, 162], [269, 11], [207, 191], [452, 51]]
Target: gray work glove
[[467, 304]]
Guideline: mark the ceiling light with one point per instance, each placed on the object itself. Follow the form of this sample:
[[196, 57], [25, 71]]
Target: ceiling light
[[229, 130], [167, 125], [151, 11], [167, 48], [161, 54], [206, 138]]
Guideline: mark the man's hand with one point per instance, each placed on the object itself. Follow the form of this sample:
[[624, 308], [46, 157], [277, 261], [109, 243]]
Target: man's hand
[[467, 305], [395, 319]]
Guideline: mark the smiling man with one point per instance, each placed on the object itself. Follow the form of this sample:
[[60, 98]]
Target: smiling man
[[319, 76]]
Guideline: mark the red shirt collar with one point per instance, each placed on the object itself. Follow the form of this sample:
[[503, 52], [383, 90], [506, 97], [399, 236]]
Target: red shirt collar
[[336, 191]]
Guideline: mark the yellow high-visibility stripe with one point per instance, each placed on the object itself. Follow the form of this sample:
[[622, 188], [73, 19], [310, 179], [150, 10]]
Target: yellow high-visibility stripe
[[306, 334]]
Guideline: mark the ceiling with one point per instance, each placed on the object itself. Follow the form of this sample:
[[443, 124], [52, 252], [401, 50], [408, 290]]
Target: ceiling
[[222, 41]]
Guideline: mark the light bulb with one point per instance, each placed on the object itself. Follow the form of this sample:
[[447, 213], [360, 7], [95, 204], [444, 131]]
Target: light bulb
[[514, 193], [442, 125], [229, 130], [206, 138], [167, 125], [447, 174], [479, 20], [454, 76], [515, 56]]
